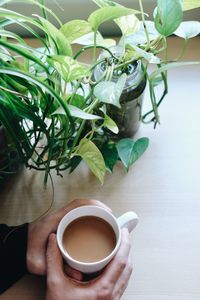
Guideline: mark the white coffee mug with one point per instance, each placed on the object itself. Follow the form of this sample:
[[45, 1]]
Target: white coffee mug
[[129, 219]]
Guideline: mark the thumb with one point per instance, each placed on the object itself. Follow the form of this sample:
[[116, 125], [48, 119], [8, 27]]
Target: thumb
[[54, 260]]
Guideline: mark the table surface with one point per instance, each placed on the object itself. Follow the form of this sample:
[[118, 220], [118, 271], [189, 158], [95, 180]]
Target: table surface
[[162, 187]]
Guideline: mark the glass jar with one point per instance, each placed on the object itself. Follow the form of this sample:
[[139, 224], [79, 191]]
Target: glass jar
[[128, 117]]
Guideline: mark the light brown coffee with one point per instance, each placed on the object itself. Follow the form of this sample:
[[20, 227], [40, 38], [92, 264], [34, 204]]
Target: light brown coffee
[[89, 239]]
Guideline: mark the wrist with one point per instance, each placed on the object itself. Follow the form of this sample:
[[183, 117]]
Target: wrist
[[35, 263]]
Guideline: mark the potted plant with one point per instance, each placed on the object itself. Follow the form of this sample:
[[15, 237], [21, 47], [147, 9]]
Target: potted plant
[[57, 110]]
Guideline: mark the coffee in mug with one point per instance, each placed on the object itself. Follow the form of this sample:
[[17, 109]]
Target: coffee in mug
[[89, 239]]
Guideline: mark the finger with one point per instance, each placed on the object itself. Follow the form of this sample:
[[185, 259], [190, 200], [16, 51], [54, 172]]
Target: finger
[[123, 280], [74, 274], [115, 268], [54, 260]]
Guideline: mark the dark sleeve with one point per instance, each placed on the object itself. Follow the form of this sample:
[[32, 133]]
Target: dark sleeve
[[13, 246]]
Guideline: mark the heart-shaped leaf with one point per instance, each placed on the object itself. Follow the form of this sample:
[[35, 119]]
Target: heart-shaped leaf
[[128, 24], [168, 16], [75, 29], [60, 41], [188, 29], [93, 158], [104, 14], [139, 38], [129, 151], [110, 156], [110, 92], [67, 67]]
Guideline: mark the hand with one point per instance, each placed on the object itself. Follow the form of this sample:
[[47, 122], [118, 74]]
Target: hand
[[38, 234], [110, 285]]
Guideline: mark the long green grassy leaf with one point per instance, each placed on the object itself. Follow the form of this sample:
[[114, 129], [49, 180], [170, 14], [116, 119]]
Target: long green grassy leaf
[[42, 85], [24, 53], [43, 7], [12, 35]]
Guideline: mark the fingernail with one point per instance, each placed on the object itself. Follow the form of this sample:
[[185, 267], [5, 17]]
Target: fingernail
[[52, 237]]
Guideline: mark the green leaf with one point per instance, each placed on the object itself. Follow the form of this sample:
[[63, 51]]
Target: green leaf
[[74, 162], [77, 100], [12, 15], [21, 20], [77, 113], [150, 57], [110, 124], [110, 92], [92, 157], [75, 29], [190, 4], [38, 83], [129, 151], [168, 16], [139, 38], [5, 57], [188, 30], [128, 24], [12, 35], [68, 68], [108, 13], [110, 156], [61, 43], [88, 39], [105, 42], [3, 2], [23, 52]]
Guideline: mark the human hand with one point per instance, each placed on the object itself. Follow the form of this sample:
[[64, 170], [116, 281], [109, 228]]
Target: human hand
[[38, 234], [110, 285]]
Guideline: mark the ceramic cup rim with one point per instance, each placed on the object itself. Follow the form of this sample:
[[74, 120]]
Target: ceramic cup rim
[[60, 233]]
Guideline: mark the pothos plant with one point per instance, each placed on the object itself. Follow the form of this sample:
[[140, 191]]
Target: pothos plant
[[53, 111]]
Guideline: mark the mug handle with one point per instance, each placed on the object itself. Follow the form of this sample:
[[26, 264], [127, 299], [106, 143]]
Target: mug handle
[[129, 220]]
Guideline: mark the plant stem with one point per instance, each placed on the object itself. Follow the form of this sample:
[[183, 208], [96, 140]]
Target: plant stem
[[95, 47], [75, 90], [144, 25], [43, 9], [165, 54], [159, 102], [83, 49], [182, 50]]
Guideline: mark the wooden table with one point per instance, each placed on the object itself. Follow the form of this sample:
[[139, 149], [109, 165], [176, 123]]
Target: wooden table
[[163, 187]]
